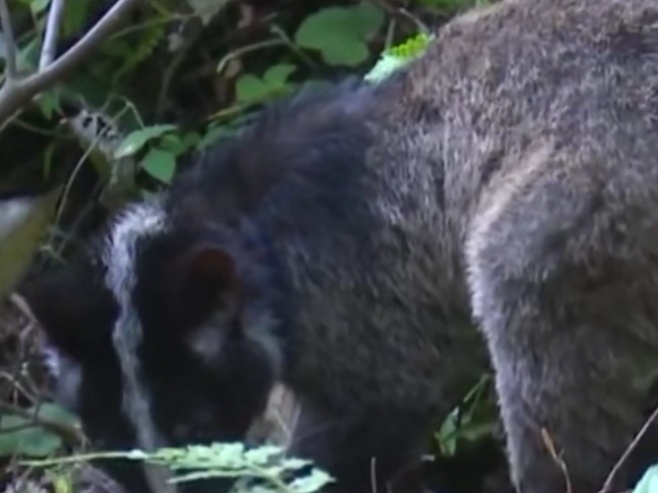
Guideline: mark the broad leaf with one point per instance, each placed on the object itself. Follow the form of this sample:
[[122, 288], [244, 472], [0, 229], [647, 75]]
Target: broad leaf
[[649, 481], [134, 141], [160, 164], [20, 436], [341, 33]]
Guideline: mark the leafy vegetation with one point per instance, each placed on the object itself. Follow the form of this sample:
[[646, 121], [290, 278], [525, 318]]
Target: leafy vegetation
[[266, 464], [397, 56]]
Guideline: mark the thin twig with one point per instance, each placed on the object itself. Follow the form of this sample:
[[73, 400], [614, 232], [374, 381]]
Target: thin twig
[[74, 174], [607, 486], [52, 29], [10, 42], [14, 96], [391, 10], [189, 39], [552, 450], [243, 50]]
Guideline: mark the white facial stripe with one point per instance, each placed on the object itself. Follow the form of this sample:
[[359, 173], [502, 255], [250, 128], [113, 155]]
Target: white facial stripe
[[119, 256], [14, 213], [67, 374], [51, 358]]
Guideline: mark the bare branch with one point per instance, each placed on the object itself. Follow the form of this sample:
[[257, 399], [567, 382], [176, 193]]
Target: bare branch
[[10, 42], [52, 29], [607, 486], [13, 96]]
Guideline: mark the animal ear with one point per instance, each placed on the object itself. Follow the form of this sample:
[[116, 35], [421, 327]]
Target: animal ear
[[212, 264], [206, 277], [75, 313]]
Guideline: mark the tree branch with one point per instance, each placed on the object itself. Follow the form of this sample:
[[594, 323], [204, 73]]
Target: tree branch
[[10, 43], [49, 46], [14, 95]]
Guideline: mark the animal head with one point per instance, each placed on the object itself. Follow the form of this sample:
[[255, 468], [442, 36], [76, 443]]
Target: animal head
[[171, 327], [159, 335]]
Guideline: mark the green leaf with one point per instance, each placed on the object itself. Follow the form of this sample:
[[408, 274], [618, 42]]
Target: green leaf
[[120, 48], [139, 51], [277, 75], [48, 102], [262, 454], [178, 143], [63, 483], [48, 154], [73, 20], [649, 481], [52, 412], [233, 460], [190, 140], [134, 141], [411, 47], [20, 436], [312, 482], [23, 436], [160, 164], [475, 430], [89, 88], [38, 6], [213, 134], [249, 89], [207, 9], [28, 55], [447, 435], [398, 56], [385, 66], [340, 33]]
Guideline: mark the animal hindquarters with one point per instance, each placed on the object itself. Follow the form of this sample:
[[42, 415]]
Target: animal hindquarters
[[563, 271]]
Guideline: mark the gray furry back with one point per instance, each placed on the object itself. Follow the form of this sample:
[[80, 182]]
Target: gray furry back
[[542, 117]]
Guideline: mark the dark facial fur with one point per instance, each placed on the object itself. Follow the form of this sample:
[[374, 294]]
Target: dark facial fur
[[349, 242], [168, 356]]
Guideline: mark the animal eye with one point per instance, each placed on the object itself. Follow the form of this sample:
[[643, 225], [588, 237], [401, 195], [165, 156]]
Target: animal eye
[[190, 433], [182, 431]]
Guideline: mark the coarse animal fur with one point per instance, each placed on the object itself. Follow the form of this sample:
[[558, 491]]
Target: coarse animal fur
[[373, 247]]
